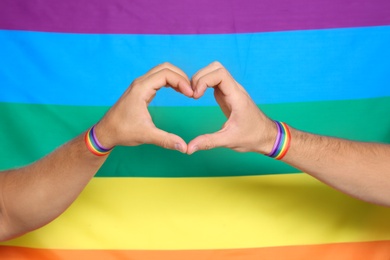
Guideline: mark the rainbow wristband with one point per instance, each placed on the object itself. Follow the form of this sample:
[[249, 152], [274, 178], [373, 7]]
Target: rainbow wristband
[[282, 142], [93, 144]]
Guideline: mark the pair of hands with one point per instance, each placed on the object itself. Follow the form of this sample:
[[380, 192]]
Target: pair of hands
[[129, 122]]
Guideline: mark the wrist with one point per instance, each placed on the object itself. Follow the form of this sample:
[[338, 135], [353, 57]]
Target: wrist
[[268, 137], [282, 141], [103, 136], [93, 144]]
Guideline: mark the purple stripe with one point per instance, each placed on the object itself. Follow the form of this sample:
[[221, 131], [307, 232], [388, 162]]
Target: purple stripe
[[189, 17], [281, 142], [96, 142], [277, 141]]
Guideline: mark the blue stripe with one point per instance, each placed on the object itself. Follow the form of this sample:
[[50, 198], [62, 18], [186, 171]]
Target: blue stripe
[[93, 69]]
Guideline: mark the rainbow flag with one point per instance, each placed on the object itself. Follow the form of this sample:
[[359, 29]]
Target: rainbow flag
[[321, 66]]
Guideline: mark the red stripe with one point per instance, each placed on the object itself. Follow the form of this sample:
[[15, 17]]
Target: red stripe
[[288, 140], [189, 17], [91, 148], [378, 250]]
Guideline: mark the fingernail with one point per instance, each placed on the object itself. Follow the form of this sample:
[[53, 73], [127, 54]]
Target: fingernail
[[196, 148], [179, 147]]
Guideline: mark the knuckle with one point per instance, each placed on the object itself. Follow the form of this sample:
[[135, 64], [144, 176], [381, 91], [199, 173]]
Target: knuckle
[[223, 72], [136, 82], [164, 66], [165, 70], [216, 64]]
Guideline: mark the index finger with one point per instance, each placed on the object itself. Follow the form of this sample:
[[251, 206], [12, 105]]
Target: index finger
[[204, 71], [164, 77], [214, 75], [167, 65]]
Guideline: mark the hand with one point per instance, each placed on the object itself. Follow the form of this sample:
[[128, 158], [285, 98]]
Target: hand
[[129, 122], [247, 128]]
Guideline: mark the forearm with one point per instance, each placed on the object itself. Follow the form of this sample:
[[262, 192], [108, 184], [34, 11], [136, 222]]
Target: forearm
[[359, 169], [34, 195]]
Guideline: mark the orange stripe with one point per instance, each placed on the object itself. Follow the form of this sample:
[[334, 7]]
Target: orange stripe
[[286, 145], [91, 148], [341, 251]]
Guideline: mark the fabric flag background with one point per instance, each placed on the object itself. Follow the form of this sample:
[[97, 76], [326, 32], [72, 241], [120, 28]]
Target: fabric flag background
[[320, 66]]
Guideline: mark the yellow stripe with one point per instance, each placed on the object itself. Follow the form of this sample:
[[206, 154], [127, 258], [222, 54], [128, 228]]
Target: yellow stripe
[[286, 141], [210, 213], [91, 147]]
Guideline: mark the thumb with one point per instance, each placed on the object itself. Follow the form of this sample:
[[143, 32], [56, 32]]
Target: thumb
[[206, 142], [167, 140]]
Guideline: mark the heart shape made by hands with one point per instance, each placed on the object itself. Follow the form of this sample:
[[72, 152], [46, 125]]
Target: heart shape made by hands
[[129, 122], [244, 119]]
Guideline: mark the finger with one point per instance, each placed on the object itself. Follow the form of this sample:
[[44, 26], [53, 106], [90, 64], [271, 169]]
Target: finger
[[165, 77], [167, 140], [202, 72], [218, 78], [206, 142], [167, 65], [206, 70]]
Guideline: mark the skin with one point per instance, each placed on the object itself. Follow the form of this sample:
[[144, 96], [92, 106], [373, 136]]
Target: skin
[[34, 195], [359, 169]]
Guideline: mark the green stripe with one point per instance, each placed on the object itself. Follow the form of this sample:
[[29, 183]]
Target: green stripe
[[28, 132]]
